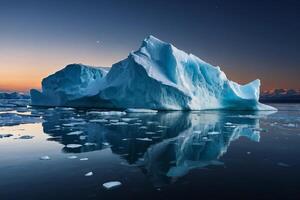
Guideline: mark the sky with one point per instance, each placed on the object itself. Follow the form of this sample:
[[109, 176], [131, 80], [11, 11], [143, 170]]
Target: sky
[[247, 39]]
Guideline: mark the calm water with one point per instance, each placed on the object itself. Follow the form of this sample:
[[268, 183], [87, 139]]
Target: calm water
[[169, 155]]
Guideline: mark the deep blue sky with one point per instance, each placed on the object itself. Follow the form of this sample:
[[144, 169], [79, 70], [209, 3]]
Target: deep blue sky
[[247, 39]]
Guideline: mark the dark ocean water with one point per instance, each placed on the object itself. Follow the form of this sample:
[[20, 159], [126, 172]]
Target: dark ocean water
[[47, 153]]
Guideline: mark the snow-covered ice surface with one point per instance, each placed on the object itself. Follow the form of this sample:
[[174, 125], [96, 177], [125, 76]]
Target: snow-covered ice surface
[[162, 155], [157, 76]]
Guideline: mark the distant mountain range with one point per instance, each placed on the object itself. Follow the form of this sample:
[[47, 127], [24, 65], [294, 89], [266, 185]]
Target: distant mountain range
[[281, 96], [14, 95]]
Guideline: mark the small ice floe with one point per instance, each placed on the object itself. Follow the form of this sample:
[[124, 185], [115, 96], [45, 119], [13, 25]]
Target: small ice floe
[[105, 113], [114, 120], [128, 119], [25, 137], [143, 127], [140, 110], [45, 158], [98, 120], [213, 133], [90, 144], [75, 133], [151, 122], [89, 174], [281, 164], [82, 137], [126, 139], [105, 143], [228, 123], [83, 159], [73, 146], [144, 139], [111, 185], [74, 124], [5, 135], [120, 123], [137, 124], [72, 157], [66, 108], [197, 132]]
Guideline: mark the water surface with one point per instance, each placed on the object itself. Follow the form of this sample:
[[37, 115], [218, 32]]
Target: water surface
[[164, 155]]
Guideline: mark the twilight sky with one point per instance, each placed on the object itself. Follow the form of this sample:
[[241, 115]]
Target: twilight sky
[[247, 39]]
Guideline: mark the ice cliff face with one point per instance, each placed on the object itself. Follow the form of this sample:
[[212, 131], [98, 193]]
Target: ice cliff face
[[157, 76]]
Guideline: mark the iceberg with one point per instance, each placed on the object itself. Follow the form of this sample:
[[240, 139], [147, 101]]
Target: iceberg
[[157, 76]]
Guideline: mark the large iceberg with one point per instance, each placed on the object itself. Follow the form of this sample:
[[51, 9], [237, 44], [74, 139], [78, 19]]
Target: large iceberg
[[157, 76]]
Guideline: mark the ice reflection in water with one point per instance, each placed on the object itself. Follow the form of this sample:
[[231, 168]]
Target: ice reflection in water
[[164, 145]]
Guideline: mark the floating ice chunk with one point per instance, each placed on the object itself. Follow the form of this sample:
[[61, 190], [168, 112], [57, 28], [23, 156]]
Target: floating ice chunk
[[65, 108], [5, 135], [83, 159], [120, 123], [213, 133], [128, 119], [197, 132], [228, 123], [26, 137], [143, 127], [105, 143], [75, 133], [112, 184], [72, 157], [74, 124], [90, 144], [118, 113], [89, 174], [98, 120], [114, 120], [137, 124], [82, 137], [144, 139], [139, 110], [73, 146], [45, 158]]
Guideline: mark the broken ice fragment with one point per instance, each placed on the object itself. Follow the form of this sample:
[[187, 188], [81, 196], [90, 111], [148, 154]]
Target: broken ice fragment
[[45, 158], [75, 133], [72, 157], [112, 185], [144, 139], [73, 146], [139, 110], [213, 133], [89, 174], [98, 120], [83, 159]]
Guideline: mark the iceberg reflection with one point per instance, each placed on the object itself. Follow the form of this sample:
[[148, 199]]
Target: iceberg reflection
[[164, 145]]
